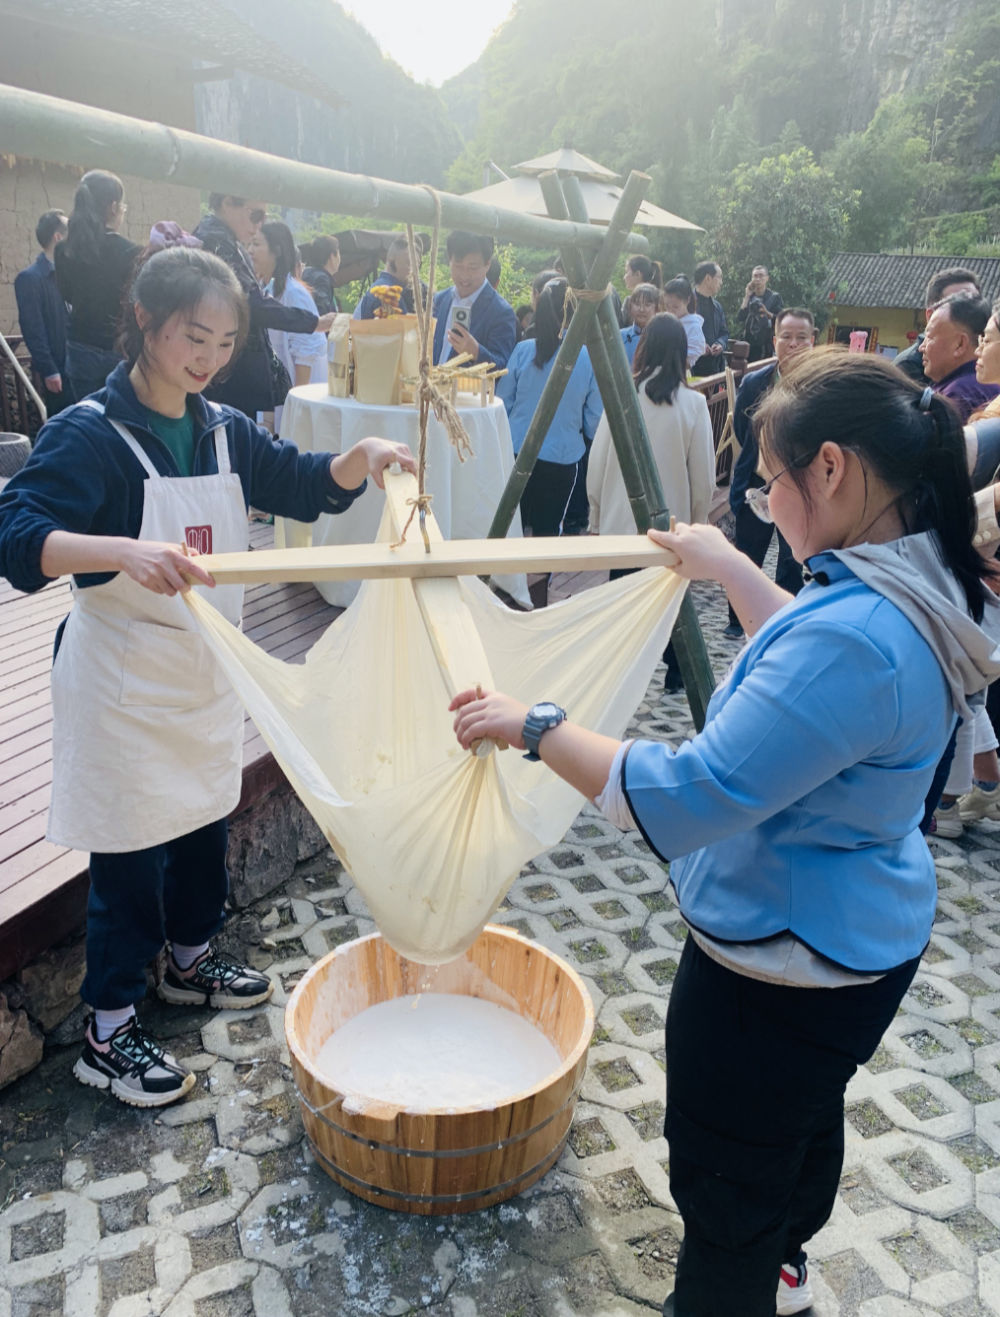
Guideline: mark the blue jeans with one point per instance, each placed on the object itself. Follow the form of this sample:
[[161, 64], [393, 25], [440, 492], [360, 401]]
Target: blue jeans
[[141, 899], [88, 367]]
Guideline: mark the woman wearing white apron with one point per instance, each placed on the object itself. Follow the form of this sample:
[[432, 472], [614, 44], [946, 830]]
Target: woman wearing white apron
[[147, 734]]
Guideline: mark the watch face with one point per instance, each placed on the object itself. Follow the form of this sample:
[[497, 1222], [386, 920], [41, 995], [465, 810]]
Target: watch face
[[546, 710]]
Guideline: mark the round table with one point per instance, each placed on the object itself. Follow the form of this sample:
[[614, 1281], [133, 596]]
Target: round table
[[465, 493]]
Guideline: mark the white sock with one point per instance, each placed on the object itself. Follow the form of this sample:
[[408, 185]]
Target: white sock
[[106, 1022], [184, 957]]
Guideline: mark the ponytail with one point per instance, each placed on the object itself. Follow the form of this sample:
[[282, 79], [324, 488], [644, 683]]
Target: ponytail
[[649, 271], [912, 439], [942, 498], [96, 194]]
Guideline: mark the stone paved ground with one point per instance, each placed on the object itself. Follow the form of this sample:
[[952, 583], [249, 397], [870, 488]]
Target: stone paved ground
[[215, 1209]]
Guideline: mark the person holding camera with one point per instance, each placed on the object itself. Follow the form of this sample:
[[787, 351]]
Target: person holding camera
[[757, 312]]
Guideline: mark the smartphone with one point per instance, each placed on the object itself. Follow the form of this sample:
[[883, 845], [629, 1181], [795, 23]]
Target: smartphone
[[460, 317]]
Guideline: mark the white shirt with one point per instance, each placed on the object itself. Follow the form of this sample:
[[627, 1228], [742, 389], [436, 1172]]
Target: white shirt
[[457, 301], [301, 349]]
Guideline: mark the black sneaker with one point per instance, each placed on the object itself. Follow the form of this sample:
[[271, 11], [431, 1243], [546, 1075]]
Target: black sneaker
[[134, 1066], [214, 980]]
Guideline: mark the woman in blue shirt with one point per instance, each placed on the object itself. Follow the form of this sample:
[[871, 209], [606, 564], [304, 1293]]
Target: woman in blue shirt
[[550, 484], [791, 822], [644, 302]]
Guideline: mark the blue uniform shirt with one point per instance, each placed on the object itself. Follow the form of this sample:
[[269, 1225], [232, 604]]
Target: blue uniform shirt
[[577, 415], [796, 808]]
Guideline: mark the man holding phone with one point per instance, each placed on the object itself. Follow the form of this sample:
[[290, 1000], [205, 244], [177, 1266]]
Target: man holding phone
[[471, 315]]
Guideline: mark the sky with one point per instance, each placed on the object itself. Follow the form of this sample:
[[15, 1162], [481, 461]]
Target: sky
[[431, 39]]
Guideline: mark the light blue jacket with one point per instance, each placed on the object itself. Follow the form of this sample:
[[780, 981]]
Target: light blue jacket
[[796, 808], [630, 337], [577, 416]]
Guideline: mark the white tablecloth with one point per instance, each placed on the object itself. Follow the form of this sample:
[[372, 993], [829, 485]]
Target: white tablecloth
[[465, 493]]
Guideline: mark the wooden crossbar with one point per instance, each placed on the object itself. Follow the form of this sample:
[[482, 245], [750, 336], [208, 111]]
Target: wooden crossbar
[[357, 562]]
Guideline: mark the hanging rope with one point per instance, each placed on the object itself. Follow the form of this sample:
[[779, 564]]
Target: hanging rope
[[574, 296], [429, 396]]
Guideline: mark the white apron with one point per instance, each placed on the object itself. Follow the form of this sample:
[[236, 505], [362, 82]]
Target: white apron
[[147, 741]]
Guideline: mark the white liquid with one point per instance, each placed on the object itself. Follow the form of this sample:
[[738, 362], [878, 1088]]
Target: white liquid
[[436, 1050]]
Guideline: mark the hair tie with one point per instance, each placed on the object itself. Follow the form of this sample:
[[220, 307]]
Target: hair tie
[[924, 405]]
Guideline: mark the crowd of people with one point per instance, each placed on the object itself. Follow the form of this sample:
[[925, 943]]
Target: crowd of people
[[854, 719]]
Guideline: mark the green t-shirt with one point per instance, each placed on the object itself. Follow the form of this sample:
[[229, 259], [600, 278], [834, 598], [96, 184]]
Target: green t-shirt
[[177, 432]]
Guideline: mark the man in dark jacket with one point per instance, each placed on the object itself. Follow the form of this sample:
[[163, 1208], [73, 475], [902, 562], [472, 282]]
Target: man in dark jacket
[[949, 352], [707, 286], [471, 315], [757, 314], [42, 315], [796, 333], [945, 283], [257, 377]]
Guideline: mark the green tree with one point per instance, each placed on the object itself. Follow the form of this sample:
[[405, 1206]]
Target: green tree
[[787, 213], [889, 166]]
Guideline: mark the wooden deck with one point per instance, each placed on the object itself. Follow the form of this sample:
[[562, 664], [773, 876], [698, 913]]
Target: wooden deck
[[43, 888]]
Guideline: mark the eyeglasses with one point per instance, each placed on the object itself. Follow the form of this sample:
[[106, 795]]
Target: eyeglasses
[[756, 499]]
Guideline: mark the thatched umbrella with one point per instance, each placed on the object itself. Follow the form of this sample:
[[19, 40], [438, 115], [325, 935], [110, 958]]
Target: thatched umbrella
[[599, 186]]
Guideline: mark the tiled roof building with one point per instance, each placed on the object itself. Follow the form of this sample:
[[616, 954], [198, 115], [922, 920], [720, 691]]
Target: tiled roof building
[[884, 294], [873, 279]]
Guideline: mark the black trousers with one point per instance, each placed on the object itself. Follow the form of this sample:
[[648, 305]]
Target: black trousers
[[140, 899], [756, 1074], [545, 496], [577, 517], [753, 537]]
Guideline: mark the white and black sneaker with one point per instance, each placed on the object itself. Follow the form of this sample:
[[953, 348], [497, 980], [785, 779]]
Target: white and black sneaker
[[134, 1066], [214, 980]]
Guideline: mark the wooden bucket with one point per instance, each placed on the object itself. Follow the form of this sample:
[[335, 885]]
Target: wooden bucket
[[454, 1160]]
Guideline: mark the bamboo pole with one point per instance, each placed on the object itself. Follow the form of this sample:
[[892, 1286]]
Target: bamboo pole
[[48, 128], [569, 349], [639, 469]]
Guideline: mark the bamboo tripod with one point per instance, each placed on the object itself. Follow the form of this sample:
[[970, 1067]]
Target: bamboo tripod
[[594, 324], [48, 128]]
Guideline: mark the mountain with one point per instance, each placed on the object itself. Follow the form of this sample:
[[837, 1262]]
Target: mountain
[[387, 125], [689, 92]]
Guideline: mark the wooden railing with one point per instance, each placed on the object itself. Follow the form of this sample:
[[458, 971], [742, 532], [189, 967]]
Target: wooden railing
[[18, 412]]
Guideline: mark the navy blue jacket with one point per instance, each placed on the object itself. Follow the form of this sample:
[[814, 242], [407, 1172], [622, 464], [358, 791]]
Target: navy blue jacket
[[42, 315], [716, 331], [492, 324], [366, 308], [752, 388], [82, 477]]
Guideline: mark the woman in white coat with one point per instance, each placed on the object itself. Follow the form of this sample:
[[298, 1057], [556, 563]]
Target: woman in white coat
[[680, 435]]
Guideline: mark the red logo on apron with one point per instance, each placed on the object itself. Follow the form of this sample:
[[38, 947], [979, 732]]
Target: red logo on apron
[[198, 538]]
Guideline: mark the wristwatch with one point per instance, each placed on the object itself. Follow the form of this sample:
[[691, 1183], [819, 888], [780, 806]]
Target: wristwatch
[[541, 718]]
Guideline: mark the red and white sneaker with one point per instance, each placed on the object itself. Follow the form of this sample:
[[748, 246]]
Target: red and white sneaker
[[794, 1291]]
